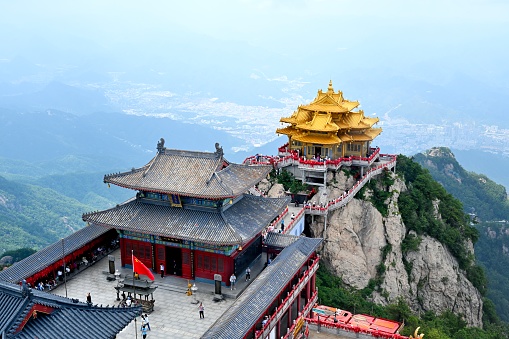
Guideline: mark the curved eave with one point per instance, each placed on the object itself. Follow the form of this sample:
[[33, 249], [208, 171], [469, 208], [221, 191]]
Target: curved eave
[[287, 130], [374, 132], [186, 194], [160, 234], [312, 127], [326, 108], [317, 139]]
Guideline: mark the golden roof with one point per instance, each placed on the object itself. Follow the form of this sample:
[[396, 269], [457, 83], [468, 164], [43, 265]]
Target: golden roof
[[357, 120], [329, 113], [288, 130], [321, 122], [373, 132], [331, 101], [317, 139], [298, 117]]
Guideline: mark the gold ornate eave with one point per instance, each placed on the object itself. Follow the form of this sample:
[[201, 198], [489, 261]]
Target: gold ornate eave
[[311, 138]]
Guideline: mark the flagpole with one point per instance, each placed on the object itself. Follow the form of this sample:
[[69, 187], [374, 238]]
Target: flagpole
[[134, 293]]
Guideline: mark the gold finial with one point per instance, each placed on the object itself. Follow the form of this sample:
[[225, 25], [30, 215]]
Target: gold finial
[[330, 89], [416, 335]]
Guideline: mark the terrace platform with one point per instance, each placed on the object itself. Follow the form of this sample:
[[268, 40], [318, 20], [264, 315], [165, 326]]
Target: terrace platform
[[175, 314]]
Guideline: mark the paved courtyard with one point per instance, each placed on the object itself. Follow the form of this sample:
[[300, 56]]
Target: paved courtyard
[[175, 314]]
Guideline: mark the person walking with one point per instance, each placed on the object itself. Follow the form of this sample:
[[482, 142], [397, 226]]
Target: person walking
[[161, 268], [248, 273], [201, 308], [233, 279], [89, 299], [144, 331], [147, 323]]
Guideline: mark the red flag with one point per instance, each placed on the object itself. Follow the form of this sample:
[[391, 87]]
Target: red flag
[[140, 268]]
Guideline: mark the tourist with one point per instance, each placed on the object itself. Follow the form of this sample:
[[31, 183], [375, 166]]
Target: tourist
[[161, 268], [144, 331], [233, 279], [89, 299], [248, 273], [147, 322], [292, 217], [201, 308], [282, 225]]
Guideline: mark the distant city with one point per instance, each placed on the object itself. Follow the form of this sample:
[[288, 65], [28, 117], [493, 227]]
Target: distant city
[[256, 125]]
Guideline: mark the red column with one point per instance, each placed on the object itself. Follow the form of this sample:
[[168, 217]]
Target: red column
[[313, 283], [289, 325], [308, 291], [298, 302]]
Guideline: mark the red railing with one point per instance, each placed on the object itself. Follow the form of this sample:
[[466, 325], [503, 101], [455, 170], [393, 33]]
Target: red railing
[[348, 195], [355, 329], [292, 222], [285, 304], [306, 310], [291, 156]]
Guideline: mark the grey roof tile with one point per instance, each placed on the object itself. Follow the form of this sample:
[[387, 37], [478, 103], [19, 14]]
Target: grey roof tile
[[48, 255], [257, 297], [67, 320], [238, 224], [194, 174], [280, 240]]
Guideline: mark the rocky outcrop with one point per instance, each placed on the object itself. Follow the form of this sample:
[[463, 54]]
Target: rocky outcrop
[[357, 235], [439, 285]]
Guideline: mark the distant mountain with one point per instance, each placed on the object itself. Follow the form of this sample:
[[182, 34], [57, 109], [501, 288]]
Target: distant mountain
[[58, 96], [488, 201], [479, 194], [490, 164], [54, 139], [35, 217]]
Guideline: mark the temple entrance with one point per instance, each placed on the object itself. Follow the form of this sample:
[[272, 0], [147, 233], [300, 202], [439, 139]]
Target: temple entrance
[[318, 152], [173, 261]]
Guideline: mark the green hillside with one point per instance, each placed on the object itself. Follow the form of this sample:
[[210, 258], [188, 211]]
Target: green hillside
[[32, 216], [479, 195], [35, 216], [452, 230], [487, 201]]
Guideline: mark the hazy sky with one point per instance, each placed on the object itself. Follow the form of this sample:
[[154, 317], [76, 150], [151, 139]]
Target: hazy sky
[[423, 40], [393, 27]]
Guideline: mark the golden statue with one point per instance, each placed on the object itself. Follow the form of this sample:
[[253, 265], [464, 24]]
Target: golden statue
[[416, 335]]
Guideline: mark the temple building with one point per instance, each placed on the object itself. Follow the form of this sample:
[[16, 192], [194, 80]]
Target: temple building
[[191, 213], [29, 313], [329, 128]]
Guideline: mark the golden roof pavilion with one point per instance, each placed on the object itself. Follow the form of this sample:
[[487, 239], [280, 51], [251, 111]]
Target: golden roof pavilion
[[329, 128]]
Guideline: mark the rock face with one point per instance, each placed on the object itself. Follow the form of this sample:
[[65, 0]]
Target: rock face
[[357, 235]]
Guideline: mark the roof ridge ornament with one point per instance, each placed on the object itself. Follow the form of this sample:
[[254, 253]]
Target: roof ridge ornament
[[160, 145], [219, 150]]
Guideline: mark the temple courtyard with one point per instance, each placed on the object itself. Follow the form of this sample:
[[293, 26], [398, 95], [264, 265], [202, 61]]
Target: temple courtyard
[[175, 313]]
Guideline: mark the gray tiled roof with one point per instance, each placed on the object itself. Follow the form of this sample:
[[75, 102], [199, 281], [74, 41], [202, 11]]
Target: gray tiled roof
[[258, 296], [68, 319], [48, 255], [238, 224], [194, 174], [280, 240]]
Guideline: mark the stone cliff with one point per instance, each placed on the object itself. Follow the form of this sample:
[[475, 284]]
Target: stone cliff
[[361, 244]]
